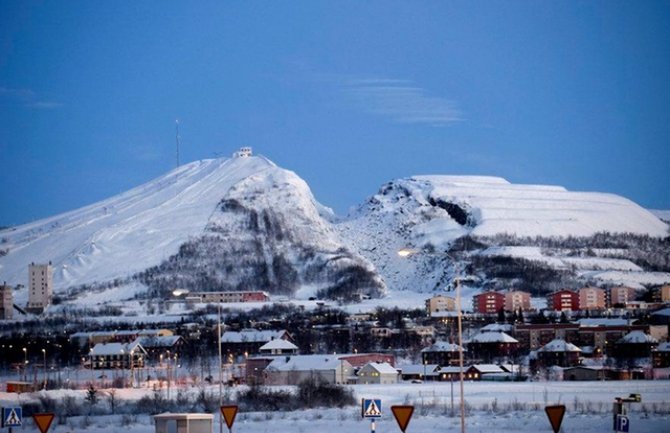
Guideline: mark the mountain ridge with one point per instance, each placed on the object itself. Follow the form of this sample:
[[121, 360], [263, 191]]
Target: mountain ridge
[[265, 209]]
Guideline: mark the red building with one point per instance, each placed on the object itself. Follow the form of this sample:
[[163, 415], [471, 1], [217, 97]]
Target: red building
[[563, 300], [488, 302]]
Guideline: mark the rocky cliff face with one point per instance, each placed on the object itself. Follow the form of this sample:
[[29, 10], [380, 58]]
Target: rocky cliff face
[[266, 233]]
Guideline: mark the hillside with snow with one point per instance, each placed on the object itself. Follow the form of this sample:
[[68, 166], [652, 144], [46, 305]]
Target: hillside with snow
[[473, 216], [258, 218], [245, 223]]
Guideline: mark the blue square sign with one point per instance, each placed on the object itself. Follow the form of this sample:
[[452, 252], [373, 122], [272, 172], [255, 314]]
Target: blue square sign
[[622, 424], [12, 417], [371, 408]]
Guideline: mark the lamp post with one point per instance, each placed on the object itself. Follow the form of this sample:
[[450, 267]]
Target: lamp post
[[218, 333], [25, 364], [405, 252], [44, 352]]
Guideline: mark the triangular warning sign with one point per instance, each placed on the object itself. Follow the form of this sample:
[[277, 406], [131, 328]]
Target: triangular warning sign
[[402, 415], [229, 413], [43, 421], [555, 414]]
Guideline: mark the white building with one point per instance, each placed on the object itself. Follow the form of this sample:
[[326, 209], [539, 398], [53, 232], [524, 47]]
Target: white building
[[291, 370], [244, 152], [40, 287], [377, 373], [117, 355]]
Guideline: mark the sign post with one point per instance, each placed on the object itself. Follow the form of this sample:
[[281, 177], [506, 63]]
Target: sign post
[[621, 423], [371, 408], [402, 415], [229, 413], [555, 415]]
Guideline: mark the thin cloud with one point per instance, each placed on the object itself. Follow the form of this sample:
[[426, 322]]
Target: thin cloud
[[402, 101], [28, 98], [43, 105]]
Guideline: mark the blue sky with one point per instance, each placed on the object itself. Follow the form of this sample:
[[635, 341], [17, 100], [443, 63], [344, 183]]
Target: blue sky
[[349, 95]]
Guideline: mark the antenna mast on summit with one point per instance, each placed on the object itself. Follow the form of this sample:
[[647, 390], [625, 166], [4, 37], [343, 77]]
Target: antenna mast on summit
[[178, 139]]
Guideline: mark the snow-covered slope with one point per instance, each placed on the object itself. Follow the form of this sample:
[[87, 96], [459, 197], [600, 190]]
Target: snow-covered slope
[[664, 215], [244, 223], [142, 228], [429, 213]]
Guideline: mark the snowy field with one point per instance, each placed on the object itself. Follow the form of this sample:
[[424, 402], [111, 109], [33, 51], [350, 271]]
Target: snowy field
[[491, 407]]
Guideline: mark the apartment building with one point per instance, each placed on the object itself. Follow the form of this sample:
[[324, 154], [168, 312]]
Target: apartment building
[[516, 300], [620, 296], [440, 303], [592, 298], [488, 302], [40, 287], [563, 300], [6, 302]]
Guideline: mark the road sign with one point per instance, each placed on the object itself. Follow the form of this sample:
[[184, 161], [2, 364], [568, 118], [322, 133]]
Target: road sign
[[229, 413], [402, 415], [555, 414], [12, 416], [43, 421], [622, 424], [371, 408]]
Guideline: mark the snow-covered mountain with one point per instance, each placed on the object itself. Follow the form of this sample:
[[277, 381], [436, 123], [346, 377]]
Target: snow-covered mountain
[[244, 223], [430, 213]]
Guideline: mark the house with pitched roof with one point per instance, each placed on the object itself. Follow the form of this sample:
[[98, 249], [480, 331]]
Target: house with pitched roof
[[292, 370], [559, 352], [377, 373], [117, 355]]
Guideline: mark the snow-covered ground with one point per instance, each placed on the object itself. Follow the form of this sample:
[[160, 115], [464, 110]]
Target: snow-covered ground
[[491, 407]]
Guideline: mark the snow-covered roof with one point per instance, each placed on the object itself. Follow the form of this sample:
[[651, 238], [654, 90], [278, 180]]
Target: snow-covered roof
[[602, 321], [663, 347], [492, 337], [585, 367], [663, 312], [306, 363], [278, 344], [441, 346], [251, 336], [123, 333], [382, 367], [438, 314], [418, 368], [109, 349], [559, 345], [497, 327], [451, 370], [159, 341], [488, 368], [637, 337]]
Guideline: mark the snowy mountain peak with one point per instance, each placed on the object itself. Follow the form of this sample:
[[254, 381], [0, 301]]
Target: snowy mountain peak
[[243, 202]]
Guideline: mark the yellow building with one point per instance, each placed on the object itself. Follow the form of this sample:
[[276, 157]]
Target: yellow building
[[440, 303]]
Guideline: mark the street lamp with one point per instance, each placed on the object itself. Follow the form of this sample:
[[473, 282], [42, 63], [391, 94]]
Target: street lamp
[[44, 352], [25, 364], [406, 252]]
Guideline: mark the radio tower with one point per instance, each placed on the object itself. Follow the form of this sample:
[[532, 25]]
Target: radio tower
[[178, 138]]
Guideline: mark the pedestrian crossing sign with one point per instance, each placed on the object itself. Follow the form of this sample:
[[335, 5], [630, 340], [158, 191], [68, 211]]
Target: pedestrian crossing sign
[[371, 408], [12, 417]]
